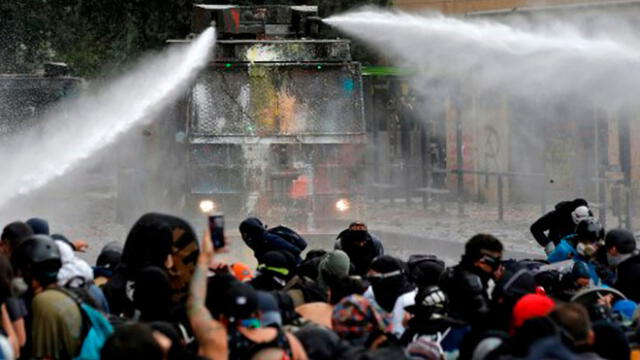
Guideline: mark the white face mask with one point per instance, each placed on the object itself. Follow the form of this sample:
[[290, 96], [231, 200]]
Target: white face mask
[[615, 260]]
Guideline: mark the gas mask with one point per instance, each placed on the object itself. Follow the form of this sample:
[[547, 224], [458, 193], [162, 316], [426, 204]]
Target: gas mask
[[586, 250], [579, 214], [493, 262]]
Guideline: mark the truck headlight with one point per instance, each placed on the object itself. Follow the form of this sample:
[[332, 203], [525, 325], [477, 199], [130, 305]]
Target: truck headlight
[[207, 206], [343, 205]]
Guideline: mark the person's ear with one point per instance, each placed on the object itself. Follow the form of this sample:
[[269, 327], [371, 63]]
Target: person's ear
[[591, 338], [168, 263]]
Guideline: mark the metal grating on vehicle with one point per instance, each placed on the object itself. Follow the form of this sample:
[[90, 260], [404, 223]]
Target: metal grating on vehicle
[[277, 100]]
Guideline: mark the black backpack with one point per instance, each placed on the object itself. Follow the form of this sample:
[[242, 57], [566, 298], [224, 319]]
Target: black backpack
[[290, 236]]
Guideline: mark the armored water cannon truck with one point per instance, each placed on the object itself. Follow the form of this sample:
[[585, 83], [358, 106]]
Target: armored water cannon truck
[[24, 97], [275, 124]]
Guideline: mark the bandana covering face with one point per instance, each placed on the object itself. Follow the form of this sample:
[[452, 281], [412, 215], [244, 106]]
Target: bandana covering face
[[356, 317]]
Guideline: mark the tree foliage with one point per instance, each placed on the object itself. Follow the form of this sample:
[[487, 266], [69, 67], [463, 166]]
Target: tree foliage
[[95, 35]]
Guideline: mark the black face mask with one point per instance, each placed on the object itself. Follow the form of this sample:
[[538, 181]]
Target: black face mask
[[387, 287]]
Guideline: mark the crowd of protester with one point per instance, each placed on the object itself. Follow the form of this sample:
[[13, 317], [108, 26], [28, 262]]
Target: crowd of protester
[[164, 294]]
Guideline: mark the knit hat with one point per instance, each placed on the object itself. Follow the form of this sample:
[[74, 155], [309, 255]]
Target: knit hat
[[531, 306], [356, 317], [424, 348], [387, 264], [425, 270], [334, 265]]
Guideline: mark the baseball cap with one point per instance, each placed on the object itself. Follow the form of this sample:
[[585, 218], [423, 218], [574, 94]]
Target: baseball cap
[[269, 309], [240, 301], [241, 271]]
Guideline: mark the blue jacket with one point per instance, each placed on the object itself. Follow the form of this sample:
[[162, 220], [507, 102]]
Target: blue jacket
[[565, 251]]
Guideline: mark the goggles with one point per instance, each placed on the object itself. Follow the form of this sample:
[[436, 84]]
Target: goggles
[[385, 275], [493, 262], [252, 323]]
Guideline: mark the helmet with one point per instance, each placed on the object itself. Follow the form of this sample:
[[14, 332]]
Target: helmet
[[38, 256], [580, 213], [590, 230]]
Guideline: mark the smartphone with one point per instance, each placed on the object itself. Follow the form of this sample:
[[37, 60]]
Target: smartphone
[[216, 229]]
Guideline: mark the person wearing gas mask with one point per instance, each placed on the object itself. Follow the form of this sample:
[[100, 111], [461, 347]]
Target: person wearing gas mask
[[581, 246], [623, 256], [467, 283], [428, 317], [549, 229]]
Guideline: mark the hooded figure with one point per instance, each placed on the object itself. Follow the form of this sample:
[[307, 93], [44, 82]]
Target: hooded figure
[[360, 246], [389, 281], [425, 270], [258, 239], [333, 266], [559, 223], [142, 280], [514, 284], [108, 260]]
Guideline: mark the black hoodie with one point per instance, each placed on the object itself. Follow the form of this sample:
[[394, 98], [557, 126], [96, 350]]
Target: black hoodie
[[261, 241], [148, 244]]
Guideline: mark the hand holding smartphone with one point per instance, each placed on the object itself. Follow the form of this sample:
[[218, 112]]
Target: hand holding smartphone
[[216, 230]]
